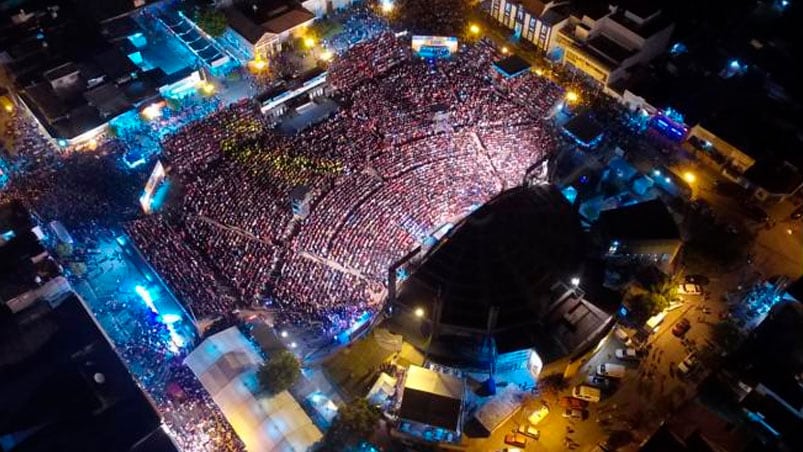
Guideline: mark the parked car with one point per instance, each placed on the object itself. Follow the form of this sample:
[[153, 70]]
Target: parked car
[[688, 364], [571, 413], [700, 280], [529, 431], [538, 415], [622, 336], [689, 289], [755, 213], [681, 328], [516, 439], [598, 382], [729, 189], [611, 370], [627, 354], [583, 394]]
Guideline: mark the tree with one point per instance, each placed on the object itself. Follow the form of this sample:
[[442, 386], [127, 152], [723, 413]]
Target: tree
[[212, 21], [726, 335], [64, 249], [279, 372], [355, 423], [78, 269], [644, 305], [552, 384]]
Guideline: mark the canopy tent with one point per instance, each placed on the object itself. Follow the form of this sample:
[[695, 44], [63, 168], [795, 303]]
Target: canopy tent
[[226, 364]]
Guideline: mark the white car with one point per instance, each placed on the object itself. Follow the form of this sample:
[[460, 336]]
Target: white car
[[687, 364], [689, 289], [611, 370], [538, 415], [627, 354]]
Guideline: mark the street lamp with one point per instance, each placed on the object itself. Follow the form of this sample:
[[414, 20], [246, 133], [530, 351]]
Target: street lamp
[[309, 42], [474, 29], [575, 281], [293, 345], [505, 50], [689, 177], [387, 6], [572, 97], [326, 55], [284, 333], [419, 312]]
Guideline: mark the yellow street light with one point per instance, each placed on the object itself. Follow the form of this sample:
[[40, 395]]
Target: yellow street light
[[327, 55], [258, 64], [387, 6], [505, 50], [207, 88], [152, 111], [689, 177], [419, 312], [539, 72], [572, 97], [474, 29], [309, 42]]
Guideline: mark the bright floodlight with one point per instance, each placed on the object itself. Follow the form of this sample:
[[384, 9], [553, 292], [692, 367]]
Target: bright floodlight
[[152, 111], [258, 64], [284, 333], [419, 312], [505, 50], [327, 55], [293, 345], [539, 72], [689, 177], [387, 6], [206, 87], [575, 281], [309, 42], [474, 29], [572, 97]]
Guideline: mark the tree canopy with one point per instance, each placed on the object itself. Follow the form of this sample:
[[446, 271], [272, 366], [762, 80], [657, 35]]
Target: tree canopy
[[212, 21], [354, 424], [645, 305], [279, 372]]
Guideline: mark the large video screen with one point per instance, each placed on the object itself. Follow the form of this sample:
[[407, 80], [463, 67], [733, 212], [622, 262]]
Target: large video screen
[[157, 176], [434, 46]]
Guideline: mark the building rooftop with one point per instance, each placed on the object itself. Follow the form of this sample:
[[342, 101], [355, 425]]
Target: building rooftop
[[512, 65], [504, 256], [63, 386], [609, 49], [584, 128], [432, 398], [253, 18], [649, 220], [773, 355]]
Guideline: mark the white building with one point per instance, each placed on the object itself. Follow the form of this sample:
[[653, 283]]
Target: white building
[[258, 28], [532, 20], [606, 44]]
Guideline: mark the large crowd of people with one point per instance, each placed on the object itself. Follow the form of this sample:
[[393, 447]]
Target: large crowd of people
[[415, 145]]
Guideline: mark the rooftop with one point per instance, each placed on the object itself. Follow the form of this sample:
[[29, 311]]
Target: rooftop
[[63, 386], [432, 398], [650, 220], [773, 355]]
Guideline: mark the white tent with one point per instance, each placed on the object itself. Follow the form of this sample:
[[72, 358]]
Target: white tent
[[226, 364]]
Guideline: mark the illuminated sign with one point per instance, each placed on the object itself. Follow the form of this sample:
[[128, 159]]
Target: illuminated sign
[[157, 176], [434, 46]]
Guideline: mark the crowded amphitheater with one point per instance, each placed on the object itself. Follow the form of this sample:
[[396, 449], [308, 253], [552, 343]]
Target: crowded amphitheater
[[415, 144]]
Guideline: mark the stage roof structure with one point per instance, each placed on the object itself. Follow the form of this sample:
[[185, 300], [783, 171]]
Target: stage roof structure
[[226, 364], [512, 66], [432, 398]]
